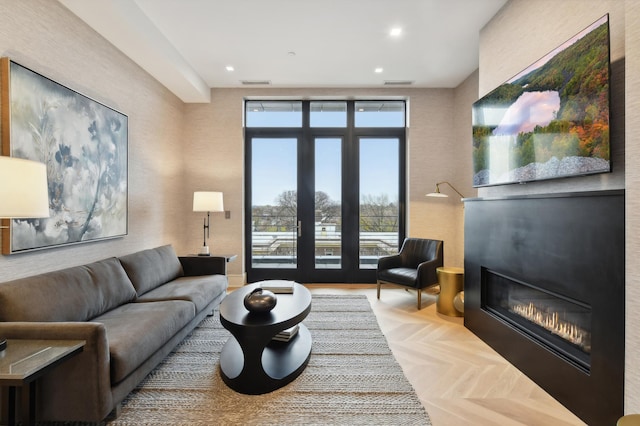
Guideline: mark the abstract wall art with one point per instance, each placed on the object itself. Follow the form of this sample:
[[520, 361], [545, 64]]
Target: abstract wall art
[[83, 144]]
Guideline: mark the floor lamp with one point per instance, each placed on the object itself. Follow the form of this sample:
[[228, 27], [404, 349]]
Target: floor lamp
[[207, 201], [23, 194]]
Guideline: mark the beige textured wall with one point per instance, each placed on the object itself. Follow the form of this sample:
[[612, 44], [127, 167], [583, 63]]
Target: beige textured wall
[[216, 160], [442, 154], [44, 36], [632, 341], [465, 95], [524, 31], [214, 147]]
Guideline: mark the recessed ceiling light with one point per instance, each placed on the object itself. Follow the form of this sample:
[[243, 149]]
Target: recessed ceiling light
[[229, 68], [395, 32], [379, 70]]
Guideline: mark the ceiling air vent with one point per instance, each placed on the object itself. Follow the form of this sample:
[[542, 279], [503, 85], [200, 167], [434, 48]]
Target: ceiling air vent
[[255, 82], [398, 82]]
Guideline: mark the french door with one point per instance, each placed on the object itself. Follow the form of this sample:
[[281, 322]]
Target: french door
[[323, 202]]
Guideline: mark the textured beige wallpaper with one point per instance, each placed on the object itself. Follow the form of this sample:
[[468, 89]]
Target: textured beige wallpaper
[[632, 348], [46, 37], [216, 160], [522, 32], [214, 148]]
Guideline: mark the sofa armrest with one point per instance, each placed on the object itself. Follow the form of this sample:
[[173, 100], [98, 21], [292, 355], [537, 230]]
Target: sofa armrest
[[77, 389], [203, 265]]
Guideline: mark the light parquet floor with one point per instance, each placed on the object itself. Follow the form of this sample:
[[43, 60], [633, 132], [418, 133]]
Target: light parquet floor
[[459, 379]]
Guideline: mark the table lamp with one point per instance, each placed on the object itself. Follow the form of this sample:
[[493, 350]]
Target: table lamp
[[23, 194], [207, 201]]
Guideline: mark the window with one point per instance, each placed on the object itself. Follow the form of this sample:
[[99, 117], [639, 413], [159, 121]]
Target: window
[[380, 114], [273, 114], [325, 188], [328, 114]]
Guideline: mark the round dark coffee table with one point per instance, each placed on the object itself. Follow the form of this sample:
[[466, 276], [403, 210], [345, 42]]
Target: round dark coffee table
[[251, 362]]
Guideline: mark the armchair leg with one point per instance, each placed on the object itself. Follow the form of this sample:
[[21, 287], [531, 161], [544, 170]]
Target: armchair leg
[[419, 298], [379, 289]]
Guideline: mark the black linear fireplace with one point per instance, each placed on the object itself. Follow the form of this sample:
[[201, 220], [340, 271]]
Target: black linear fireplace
[[544, 286], [562, 325]]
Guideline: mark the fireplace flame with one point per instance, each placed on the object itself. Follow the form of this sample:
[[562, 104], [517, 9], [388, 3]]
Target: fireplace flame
[[551, 321]]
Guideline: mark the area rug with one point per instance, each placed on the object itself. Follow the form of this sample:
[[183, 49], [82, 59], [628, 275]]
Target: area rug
[[352, 378]]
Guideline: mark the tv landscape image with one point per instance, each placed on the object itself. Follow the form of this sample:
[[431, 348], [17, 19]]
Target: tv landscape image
[[549, 121]]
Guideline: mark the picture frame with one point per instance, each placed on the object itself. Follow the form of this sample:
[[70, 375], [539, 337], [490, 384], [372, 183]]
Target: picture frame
[[84, 145]]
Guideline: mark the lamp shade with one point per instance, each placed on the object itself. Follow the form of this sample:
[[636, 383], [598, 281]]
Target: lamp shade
[[437, 194], [205, 201], [23, 188]]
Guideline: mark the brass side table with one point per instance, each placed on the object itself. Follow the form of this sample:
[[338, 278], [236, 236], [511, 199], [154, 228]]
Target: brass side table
[[629, 420], [451, 282]]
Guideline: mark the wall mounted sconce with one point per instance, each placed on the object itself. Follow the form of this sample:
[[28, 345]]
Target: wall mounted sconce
[[437, 193], [207, 201], [24, 194]]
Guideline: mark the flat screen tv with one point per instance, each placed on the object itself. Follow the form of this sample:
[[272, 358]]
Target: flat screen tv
[[549, 121]]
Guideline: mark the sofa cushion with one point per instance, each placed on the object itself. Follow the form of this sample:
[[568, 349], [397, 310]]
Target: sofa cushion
[[150, 268], [74, 294], [135, 331], [201, 290]]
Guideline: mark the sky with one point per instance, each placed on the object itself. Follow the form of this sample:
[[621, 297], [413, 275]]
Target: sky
[[274, 164], [274, 168]]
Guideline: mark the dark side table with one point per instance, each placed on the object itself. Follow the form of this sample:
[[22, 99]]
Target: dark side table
[[24, 361], [251, 362], [194, 264]]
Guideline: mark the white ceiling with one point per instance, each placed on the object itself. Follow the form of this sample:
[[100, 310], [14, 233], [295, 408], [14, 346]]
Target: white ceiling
[[186, 44]]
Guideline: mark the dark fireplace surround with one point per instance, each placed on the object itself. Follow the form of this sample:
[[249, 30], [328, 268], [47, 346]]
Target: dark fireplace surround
[[544, 287]]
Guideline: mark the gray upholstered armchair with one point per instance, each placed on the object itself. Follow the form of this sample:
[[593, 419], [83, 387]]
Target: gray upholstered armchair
[[414, 266]]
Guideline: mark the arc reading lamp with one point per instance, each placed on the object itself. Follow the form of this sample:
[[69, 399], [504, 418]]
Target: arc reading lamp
[[437, 193], [207, 201], [23, 194]]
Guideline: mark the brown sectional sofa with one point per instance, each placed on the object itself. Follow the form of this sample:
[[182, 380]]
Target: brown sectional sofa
[[131, 311]]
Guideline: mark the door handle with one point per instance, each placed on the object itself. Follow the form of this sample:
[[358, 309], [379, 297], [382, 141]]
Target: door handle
[[299, 228]]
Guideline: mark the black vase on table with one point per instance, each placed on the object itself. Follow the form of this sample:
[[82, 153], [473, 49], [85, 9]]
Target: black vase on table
[[260, 301]]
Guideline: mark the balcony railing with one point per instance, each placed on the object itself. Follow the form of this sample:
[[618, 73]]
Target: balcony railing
[[275, 242]]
